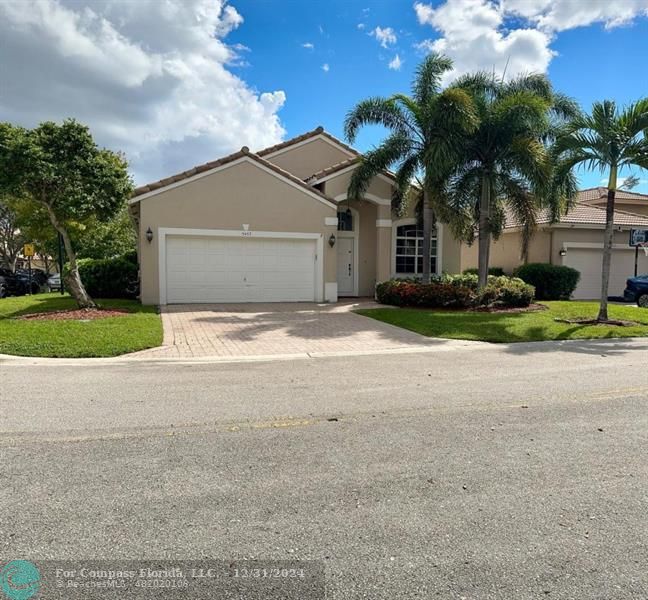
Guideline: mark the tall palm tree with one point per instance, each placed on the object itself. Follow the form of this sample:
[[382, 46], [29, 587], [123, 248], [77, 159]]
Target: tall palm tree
[[607, 140], [506, 165], [425, 131]]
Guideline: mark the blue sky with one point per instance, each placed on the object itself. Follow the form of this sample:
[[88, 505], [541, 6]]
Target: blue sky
[[590, 62], [178, 83]]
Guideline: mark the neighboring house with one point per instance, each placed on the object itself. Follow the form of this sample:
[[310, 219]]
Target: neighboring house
[[576, 240], [276, 225]]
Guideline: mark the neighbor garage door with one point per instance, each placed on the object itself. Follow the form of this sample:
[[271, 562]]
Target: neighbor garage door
[[588, 262], [223, 269]]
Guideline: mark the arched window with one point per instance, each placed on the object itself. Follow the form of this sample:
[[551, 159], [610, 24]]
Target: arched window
[[409, 250]]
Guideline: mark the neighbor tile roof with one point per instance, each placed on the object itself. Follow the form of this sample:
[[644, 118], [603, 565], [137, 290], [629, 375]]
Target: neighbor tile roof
[[305, 136], [584, 214], [245, 151], [598, 193]]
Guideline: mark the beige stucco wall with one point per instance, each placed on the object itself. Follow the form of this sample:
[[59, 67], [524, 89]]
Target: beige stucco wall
[[374, 243], [367, 213], [578, 235], [309, 158], [544, 247], [227, 199], [505, 252], [338, 186]]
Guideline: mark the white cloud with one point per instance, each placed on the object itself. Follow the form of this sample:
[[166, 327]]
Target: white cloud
[[326, 68], [151, 78], [513, 35], [559, 15], [395, 63], [385, 36], [424, 46], [308, 45], [361, 26]]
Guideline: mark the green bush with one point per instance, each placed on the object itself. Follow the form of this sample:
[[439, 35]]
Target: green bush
[[428, 295], [496, 271], [551, 282], [456, 291], [109, 277], [506, 292], [130, 256]]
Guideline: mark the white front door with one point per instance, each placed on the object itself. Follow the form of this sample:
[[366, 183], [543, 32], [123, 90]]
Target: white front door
[[345, 260]]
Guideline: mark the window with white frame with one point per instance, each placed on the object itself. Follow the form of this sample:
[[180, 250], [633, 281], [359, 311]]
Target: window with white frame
[[409, 250]]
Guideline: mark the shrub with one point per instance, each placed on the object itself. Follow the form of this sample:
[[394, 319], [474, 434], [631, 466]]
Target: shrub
[[429, 295], [496, 271], [130, 256], [456, 291], [506, 292], [109, 277], [552, 282]]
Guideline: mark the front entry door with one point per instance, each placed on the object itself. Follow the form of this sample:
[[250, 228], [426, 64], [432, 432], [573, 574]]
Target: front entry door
[[345, 250]]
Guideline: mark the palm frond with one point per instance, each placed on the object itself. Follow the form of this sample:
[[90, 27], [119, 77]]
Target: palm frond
[[395, 149], [427, 81], [376, 111]]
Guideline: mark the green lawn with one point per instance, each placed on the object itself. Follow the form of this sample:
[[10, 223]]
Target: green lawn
[[514, 327], [104, 337]]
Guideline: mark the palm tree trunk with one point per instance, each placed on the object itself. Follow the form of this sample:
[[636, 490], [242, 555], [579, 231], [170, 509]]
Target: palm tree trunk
[[484, 231], [428, 218], [607, 245]]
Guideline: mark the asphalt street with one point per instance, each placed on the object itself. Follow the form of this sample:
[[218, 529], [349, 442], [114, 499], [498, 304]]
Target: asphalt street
[[507, 472]]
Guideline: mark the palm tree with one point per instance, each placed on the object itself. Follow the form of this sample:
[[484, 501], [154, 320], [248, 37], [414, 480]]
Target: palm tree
[[606, 140], [506, 165], [425, 131]]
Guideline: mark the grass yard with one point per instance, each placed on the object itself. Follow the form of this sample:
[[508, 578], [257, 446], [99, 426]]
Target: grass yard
[[514, 327], [111, 336]]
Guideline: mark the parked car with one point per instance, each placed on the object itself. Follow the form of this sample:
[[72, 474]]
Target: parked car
[[35, 284], [54, 282], [637, 290], [37, 275], [12, 284]]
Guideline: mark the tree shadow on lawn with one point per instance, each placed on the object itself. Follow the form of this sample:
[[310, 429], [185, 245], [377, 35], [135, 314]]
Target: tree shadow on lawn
[[500, 328], [17, 306]]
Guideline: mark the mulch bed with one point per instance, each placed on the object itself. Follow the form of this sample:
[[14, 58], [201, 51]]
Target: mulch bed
[[81, 314], [504, 309], [480, 309], [611, 322]]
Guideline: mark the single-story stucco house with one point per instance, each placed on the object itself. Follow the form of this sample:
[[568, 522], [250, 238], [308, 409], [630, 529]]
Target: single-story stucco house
[[276, 225], [576, 240]]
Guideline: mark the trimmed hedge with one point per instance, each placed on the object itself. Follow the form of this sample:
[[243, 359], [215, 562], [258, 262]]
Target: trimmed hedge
[[109, 277], [552, 282], [496, 271], [458, 291]]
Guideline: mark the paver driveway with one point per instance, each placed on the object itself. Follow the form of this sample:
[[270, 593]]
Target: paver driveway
[[233, 330]]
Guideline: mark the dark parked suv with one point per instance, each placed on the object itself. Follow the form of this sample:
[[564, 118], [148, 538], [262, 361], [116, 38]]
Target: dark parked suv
[[9, 283], [637, 290], [17, 284]]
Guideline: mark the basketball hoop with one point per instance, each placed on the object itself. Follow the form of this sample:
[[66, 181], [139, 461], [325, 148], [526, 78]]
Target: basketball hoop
[[644, 247]]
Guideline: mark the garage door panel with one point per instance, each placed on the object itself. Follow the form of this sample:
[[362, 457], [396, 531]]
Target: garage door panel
[[588, 261], [239, 270]]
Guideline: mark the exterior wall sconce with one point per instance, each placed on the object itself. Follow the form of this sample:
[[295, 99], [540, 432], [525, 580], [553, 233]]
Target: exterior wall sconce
[[331, 240], [149, 235], [563, 252]]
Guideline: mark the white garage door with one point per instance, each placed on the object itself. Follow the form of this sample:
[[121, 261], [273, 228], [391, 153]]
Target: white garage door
[[223, 269], [588, 262]]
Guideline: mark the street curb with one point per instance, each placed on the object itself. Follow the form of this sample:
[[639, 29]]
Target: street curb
[[6, 359]]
